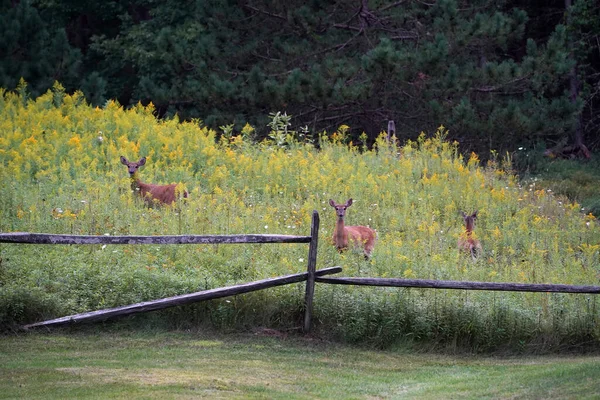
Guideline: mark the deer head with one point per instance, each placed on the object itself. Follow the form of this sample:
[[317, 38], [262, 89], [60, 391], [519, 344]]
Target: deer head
[[340, 209], [133, 166], [469, 220]]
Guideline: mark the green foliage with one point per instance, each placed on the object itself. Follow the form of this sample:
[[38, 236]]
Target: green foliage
[[36, 50], [60, 173], [497, 73], [576, 180], [280, 133], [20, 305]]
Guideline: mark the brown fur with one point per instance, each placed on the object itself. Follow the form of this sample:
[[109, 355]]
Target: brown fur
[[360, 236], [152, 194], [466, 242]]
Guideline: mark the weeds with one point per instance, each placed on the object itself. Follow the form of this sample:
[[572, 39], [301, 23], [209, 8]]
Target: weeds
[[60, 173]]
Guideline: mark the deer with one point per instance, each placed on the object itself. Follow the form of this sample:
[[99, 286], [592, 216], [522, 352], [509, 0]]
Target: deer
[[152, 194], [360, 236], [466, 242]]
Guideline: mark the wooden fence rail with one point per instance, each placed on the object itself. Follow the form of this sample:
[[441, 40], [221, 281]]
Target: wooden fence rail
[[44, 238], [210, 294], [465, 285]]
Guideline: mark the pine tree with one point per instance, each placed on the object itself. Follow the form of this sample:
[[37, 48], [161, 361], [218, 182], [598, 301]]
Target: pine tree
[[497, 73], [34, 50]]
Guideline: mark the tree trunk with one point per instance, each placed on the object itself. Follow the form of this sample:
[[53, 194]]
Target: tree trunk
[[579, 148]]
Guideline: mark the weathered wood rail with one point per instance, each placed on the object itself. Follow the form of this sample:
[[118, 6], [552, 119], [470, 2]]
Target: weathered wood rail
[[46, 238], [184, 299], [464, 285]]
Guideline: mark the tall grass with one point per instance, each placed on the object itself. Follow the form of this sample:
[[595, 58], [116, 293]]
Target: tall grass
[[60, 173], [574, 178]]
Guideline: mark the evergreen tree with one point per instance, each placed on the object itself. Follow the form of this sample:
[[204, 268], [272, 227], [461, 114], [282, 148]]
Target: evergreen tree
[[583, 22], [497, 73], [35, 50], [353, 62]]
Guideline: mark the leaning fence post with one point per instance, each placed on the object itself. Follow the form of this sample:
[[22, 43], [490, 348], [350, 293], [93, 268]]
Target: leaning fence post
[[312, 265]]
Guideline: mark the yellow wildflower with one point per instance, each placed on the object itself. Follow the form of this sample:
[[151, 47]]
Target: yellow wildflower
[[75, 142]]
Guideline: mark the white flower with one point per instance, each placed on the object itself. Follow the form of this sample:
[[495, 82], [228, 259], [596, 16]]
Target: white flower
[[266, 226], [302, 259]]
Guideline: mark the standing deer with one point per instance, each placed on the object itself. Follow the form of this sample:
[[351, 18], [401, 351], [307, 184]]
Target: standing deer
[[466, 242], [360, 236], [165, 194]]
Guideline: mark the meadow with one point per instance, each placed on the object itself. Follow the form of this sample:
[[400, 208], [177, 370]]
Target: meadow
[[60, 173]]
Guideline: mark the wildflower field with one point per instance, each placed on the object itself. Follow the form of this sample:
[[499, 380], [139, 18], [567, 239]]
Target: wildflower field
[[60, 173]]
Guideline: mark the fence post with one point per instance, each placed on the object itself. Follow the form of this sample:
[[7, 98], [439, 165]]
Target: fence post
[[391, 130], [312, 265]]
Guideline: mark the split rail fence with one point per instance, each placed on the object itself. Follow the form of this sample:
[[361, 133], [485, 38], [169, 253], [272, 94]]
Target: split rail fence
[[311, 276]]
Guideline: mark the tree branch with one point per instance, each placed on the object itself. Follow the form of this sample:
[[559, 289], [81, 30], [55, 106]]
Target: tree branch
[[258, 10], [392, 5]]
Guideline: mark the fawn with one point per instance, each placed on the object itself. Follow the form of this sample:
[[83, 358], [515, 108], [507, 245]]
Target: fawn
[[466, 242], [165, 194], [361, 236]]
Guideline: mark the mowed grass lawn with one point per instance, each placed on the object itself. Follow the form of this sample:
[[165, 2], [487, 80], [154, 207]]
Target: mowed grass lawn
[[181, 365]]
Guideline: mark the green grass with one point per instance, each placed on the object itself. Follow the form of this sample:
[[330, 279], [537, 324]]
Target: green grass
[[177, 365], [575, 179]]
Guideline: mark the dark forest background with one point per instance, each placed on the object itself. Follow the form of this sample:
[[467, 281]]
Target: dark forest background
[[497, 74]]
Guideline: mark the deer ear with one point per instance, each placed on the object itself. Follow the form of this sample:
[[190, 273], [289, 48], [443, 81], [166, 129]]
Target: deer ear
[[349, 202], [142, 161], [464, 215], [331, 203], [124, 160], [474, 215]]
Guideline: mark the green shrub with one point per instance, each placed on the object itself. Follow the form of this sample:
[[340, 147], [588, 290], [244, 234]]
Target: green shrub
[[26, 305]]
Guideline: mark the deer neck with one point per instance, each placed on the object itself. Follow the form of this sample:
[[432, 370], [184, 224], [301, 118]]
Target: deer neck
[[468, 233], [340, 233], [469, 228], [137, 185]]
